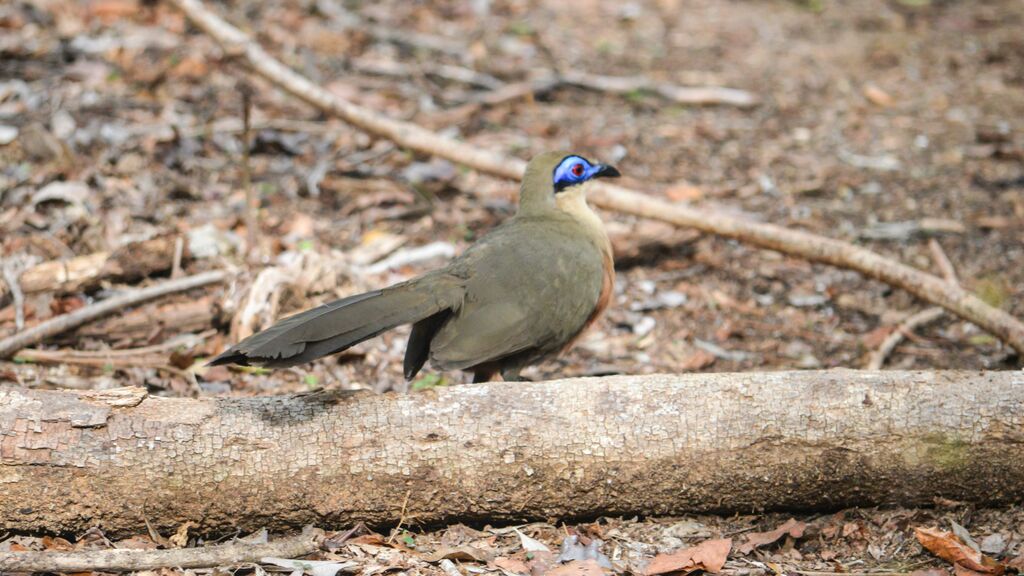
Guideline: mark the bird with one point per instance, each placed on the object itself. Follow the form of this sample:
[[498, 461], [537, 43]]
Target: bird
[[521, 294]]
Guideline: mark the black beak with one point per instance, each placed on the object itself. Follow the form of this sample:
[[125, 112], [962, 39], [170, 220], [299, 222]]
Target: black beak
[[606, 171]]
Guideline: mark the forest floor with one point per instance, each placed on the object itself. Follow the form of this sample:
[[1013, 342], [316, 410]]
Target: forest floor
[[891, 124]]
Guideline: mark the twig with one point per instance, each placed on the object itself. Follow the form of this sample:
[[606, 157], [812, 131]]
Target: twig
[[62, 357], [694, 95], [907, 326], [234, 125], [923, 317], [818, 573], [691, 95], [401, 517], [134, 560], [942, 261], [12, 271], [443, 71], [793, 242], [179, 253], [506, 93], [144, 357], [336, 12], [54, 326], [251, 208]]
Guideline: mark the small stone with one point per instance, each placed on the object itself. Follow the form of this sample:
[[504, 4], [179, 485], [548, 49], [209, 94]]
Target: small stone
[[808, 362], [8, 134], [63, 125], [644, 326]]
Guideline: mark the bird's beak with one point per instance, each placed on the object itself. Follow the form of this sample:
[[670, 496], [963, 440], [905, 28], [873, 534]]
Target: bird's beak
[[606, 171]]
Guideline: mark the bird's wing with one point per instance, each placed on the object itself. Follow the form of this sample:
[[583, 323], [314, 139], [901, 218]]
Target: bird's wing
[[528, 288]]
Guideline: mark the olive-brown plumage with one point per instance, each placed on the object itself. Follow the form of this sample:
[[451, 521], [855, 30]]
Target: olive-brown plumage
[[522, 293]]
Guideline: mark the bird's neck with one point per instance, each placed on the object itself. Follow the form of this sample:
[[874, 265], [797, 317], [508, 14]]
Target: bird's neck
[[573, 202]]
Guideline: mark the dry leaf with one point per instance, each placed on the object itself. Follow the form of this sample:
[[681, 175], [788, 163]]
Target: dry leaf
[[877, 96], [511, 565], [951, 549], [578, 568], [190, 67], [699, 359], [684, 192], [959, 570], [58, 544], [110, 10], [138, 542], [1016, 564], [464, 552], [372, 539], [180, 538], [758, 539], [709, 556], [530, 544]]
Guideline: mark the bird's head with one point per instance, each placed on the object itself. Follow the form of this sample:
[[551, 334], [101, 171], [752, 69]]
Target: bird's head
[[553, 174]]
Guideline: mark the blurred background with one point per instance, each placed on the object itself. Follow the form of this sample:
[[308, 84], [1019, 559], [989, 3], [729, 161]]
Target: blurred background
[[894, 124]]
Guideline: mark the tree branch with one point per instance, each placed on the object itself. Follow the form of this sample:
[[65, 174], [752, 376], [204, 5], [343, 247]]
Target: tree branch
[[793, 242], [65, 322], [135, 560]]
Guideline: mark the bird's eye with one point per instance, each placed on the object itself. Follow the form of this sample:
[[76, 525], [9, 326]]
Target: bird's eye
[[577, 170]]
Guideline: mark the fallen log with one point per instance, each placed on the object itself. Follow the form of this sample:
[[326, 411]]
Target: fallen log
[[646, 445]]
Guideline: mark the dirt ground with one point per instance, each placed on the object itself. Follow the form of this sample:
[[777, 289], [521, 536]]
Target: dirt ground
[[884, 123]]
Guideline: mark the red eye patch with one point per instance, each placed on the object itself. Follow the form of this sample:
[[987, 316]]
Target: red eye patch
[[577, 170]]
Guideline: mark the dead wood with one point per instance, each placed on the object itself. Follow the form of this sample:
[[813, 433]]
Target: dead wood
[[692, 95], [130, 262], [626, 445], [65, 322], [913, 322], [134, 560], [148, 323], [617, 198], [919, 319]]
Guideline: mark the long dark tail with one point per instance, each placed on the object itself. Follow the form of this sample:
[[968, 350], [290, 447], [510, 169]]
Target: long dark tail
[[337, 325]]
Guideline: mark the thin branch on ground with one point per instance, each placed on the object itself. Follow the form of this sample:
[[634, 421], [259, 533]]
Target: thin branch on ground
[[179, 254], [63, 323], [692, 95], [443, 71], [893, 340], [12, 269], [145, 357], [943, 262], [182, 340], [134, 560], [919, 319], [415, 40], [617, 198], [251, 204]]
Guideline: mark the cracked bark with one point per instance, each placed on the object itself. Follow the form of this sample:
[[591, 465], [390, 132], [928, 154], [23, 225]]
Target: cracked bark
[[627, 445]]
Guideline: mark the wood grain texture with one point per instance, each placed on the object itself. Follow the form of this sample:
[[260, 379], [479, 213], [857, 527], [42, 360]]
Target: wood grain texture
[[661, 444]]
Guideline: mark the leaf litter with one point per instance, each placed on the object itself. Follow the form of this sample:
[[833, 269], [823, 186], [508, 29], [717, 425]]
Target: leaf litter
[[116, 128]]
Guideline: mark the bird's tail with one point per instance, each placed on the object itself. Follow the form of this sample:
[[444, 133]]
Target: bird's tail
[[337, 325]]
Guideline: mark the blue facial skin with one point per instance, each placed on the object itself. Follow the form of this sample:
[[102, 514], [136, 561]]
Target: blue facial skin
[[574, 170]]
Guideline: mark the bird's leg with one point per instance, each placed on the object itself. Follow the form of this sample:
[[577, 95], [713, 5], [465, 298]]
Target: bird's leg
[[512, 375], [483, 375]]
